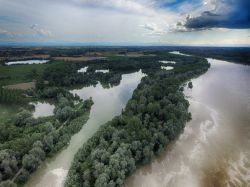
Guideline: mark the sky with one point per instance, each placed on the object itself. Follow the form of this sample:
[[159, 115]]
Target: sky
[[125, 22]]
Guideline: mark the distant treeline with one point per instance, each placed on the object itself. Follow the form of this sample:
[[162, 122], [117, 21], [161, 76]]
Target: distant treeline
[[67, 75], [236, 55]]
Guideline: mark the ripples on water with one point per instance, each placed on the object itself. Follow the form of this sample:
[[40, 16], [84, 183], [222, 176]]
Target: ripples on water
[[214, 149]]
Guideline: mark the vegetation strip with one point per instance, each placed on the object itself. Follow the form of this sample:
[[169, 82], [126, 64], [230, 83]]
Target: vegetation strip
[[154, 116], [25, 142]]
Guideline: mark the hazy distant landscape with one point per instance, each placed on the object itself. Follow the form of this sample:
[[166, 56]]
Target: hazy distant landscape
[[124, 93]]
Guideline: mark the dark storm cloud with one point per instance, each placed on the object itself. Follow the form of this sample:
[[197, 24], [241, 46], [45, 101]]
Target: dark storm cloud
[[232, 14]]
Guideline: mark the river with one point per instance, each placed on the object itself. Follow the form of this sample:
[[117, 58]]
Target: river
[[107, 104], [214, 149]]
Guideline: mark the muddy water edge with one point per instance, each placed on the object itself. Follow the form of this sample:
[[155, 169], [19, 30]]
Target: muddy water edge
[[214, 149]]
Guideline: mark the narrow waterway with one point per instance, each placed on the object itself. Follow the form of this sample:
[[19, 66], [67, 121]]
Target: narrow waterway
[[214, 149], [107, 104]]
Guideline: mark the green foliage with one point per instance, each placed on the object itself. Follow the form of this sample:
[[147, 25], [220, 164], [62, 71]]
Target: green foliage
[[39, 84], [25, 142], [154, 116], [10, 96], [190, 85], [7, 183], [24, 73], [8, 165], [22, 118]]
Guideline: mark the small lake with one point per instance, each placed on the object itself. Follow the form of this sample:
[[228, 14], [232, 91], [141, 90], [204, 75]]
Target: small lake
[[83, 70], [178, 53], [108, 103], [167, 62], [102, 71], [42, 109], [167, 67], [27, 62]]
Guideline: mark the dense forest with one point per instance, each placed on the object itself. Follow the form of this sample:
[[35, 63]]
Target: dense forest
[[10, 96], [67, 75], [153, 117], [26, 141]]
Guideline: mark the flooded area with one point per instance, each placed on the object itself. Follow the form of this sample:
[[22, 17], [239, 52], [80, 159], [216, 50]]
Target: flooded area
[[107, 104], [102, 71], [42, 109], [83, 70], [214, 149], [167, 62], [27, 62], [167, 67], [178, 53]]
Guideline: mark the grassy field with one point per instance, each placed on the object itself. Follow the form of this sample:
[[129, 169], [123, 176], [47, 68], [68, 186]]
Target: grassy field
[[7, 111], [23, 73]]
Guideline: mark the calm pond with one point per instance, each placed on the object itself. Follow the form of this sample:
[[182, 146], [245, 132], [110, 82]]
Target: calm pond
[[107, 104], [27, 62], [42, 109], [214, 149]]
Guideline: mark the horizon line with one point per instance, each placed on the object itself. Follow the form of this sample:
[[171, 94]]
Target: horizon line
[[108, 44]]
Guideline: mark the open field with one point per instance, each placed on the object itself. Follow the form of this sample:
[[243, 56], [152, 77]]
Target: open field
[[7, 111], [79, 59], [9, 58], [21, 86], [23, 73]]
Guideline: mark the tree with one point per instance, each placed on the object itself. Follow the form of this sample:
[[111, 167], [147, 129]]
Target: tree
[[65, 113], [190, 85], [30, 162], [23, 177], [22, 117], [8, 164], [34, 73], [40, 84], [48, 143], [7, 183]]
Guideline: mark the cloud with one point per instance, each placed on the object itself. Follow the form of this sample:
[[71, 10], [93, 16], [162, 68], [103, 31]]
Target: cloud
[[153, 29], [40, 31], [232, 14], [143, 7], [131, 21], [6, 33]]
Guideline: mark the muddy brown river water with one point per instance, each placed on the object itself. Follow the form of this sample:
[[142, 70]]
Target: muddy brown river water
[[214, 149]]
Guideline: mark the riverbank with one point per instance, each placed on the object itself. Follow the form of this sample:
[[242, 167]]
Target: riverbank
[[154, 116], [213, 150]]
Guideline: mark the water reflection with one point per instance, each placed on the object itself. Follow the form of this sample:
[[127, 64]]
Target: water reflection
[[102, 71], [178, 53], [42, 109], [83, 70], [167, 62], [27, 62], [167, 67], [107, 104], [214, 147]]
